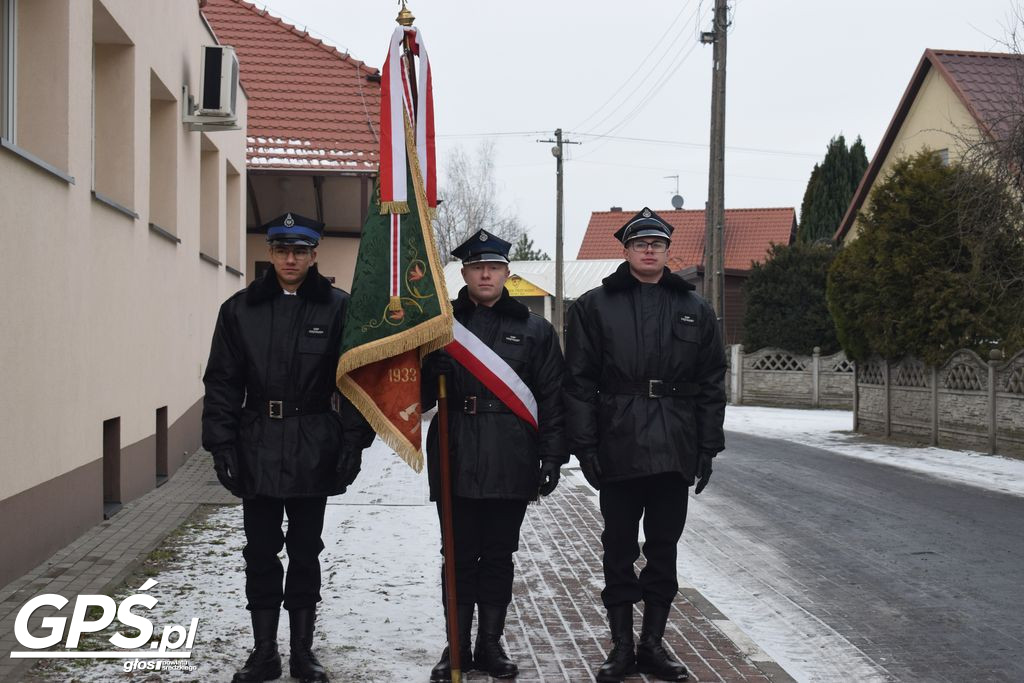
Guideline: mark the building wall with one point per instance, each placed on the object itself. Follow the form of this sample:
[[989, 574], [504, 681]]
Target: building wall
[[937, 118], [106, 319]]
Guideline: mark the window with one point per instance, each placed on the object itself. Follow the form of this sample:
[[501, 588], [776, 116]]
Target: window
[[209, 199], [943, 156], [7, 52], [164, 123], [113, 117], [235, 231], [36, 83]]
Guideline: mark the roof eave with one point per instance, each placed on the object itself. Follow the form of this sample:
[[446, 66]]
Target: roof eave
[[909, 95]]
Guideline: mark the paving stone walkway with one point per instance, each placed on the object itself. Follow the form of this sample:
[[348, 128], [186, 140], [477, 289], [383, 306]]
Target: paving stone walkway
[[556, 626]]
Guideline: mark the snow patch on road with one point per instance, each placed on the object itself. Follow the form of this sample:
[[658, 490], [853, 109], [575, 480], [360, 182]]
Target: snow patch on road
[[832, 430]]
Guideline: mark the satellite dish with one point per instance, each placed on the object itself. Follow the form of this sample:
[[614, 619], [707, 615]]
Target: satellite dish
[[677, 201]]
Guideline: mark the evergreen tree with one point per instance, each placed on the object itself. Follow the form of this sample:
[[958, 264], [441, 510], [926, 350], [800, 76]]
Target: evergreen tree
[[522, 250], [786, 305], [830, 189], [932, 269]]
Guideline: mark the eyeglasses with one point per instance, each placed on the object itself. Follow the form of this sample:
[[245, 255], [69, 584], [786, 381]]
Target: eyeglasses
[[298, 252], [657, 246]]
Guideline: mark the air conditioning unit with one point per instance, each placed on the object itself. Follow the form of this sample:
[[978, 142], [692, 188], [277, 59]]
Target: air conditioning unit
[[218, 87]]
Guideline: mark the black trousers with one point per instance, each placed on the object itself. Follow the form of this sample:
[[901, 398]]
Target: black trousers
[[486, 535], [262, 518], [661, 500]]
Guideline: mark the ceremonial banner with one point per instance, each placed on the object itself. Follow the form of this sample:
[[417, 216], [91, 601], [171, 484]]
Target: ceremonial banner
[[399, 309]]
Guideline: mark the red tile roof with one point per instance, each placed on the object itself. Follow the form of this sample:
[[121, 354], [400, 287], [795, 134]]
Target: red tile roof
[[310, 105], [748, 235], [988, 84]]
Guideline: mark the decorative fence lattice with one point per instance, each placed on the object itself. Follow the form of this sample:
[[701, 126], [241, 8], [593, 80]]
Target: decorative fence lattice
[[779, 362], [962, 377], [841, 364], [911, 373], [1013, 382], [872, 372]]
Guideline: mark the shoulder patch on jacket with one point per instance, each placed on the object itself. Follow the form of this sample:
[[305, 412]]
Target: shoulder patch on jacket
[[316, 331], [513, 339], [687, 319]]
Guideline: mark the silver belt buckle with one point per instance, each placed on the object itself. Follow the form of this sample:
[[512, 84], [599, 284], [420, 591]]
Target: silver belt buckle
[[276, 409], [469, 405], [651, 385]]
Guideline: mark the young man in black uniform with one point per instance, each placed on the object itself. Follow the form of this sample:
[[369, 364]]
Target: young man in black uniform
[[499, 462], [275, 438], [645, 401]]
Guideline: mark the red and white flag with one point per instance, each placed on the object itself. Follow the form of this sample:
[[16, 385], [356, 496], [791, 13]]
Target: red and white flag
[[396, 106], [494, 372]]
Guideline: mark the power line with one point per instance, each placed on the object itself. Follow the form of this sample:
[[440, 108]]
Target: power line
[[629, 78], [697, 145], [654, 88]]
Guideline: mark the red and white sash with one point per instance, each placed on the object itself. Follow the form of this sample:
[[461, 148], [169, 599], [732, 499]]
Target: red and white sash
[[396, 103], [494, 372]]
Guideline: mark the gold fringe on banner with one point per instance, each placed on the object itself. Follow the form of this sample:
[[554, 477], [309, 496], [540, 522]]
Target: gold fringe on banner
[[396, 440], [428, 336], [394, 207]]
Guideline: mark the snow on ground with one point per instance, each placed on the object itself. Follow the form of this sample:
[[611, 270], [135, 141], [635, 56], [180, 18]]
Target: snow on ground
[[380, 619], [831, 430]]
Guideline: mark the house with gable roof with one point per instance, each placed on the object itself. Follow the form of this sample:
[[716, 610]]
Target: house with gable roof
[[953, 98], [312, 139], [749, 234]]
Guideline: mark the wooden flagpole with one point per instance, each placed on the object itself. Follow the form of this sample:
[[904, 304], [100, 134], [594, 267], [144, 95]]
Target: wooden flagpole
[[448, 531]]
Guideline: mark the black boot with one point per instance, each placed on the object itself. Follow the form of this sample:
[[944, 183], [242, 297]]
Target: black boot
[[488, 654], [621, 660], [302, 662], [651, 656], [264, 663], [442, 672]]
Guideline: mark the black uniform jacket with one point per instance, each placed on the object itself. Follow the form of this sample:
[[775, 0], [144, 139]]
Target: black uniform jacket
[[496, 454], [268, 346], [622, 334]]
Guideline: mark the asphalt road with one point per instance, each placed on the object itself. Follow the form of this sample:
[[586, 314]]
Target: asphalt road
[[847, 569]]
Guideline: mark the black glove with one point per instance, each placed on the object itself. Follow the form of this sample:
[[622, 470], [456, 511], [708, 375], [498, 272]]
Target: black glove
[[438, 363], [703, 471], [591, 468], [549, 474], [225, 464], [349, 464]]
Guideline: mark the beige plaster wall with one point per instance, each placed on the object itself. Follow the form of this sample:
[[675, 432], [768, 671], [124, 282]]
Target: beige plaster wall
[[103, 317], [937, 120]]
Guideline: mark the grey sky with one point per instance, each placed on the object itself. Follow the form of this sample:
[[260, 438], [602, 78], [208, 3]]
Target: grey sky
[[799, 72]]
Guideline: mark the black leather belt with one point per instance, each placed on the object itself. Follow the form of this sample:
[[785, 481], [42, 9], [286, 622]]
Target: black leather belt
[[471, 405], [653, 388], [281, 409]]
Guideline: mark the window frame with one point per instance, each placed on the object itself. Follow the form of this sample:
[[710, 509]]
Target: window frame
[[8, 70]]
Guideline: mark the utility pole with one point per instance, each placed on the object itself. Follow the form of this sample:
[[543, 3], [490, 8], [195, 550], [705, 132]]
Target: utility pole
[[714, 232], [558, 314]]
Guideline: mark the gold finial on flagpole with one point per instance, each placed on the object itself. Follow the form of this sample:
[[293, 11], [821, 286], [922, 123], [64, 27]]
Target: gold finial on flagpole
[[405, 17]]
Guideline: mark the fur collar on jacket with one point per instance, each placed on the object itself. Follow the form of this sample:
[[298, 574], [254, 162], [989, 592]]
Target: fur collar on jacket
[[506, 305], [622, 279], [315, 287]]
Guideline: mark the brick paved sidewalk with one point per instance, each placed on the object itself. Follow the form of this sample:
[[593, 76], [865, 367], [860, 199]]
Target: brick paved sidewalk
[[556, 628]]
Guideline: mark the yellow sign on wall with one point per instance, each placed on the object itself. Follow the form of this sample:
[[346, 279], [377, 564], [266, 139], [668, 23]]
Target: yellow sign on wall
[[517, 286]]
